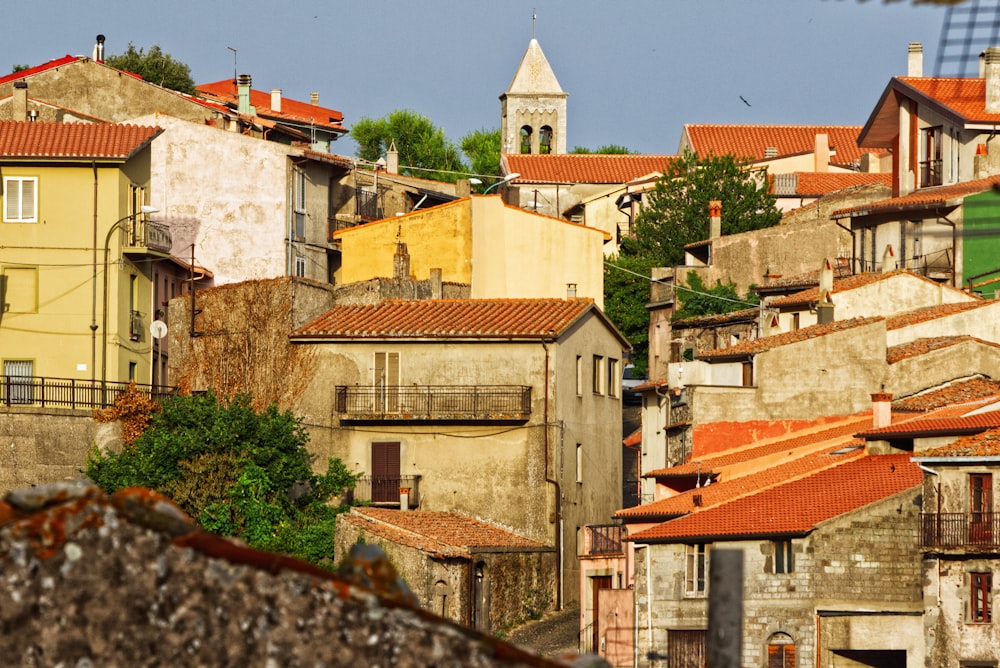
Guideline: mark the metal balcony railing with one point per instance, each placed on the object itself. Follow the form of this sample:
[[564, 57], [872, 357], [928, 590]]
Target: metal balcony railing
[[603, 539], [367, 204], [69, 392], [930, 173], [145, 234], [434, 402], [973, 531], [387, 490]]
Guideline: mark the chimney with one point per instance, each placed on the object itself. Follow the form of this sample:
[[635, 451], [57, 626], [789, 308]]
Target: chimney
[[821, 154], [243, 83], [881, 409], [314, 99], [714, 219], [437, 289], [401, 263], [571, 291], [982, 64], [99, 49], [888, 260], [20, 112], [824, 306], [392, 159], [992, 74], [276, 99], [915, 60]]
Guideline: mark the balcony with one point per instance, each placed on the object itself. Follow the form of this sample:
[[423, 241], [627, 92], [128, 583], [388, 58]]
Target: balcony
[[455, 403], [976, 532], [145, 236], [930, 173], [386, 491], [69, 392], [367, 204], [602, 539]]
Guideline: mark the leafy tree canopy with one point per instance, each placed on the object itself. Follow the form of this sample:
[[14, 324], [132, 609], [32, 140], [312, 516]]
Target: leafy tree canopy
[[698, 300], [421, 144], [482, 147], [607, 149], [626, 292], [19, 68], [154, 66], [236, 471], [676, 210]]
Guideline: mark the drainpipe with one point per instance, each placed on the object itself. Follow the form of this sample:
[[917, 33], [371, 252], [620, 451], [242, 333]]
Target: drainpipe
[[93, 300], [555, 484]]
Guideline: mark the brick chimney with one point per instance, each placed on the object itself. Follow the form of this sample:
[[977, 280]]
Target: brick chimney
[[915, 60], [714, 219], [881, 409], [992, 74]]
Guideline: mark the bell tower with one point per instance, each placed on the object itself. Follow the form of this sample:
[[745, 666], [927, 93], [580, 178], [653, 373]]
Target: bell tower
[[533, 109]]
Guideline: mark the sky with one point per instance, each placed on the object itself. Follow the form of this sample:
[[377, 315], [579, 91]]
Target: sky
[[636, 70]]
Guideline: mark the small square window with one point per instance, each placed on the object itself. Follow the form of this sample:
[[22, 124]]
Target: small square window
[[20, 199]]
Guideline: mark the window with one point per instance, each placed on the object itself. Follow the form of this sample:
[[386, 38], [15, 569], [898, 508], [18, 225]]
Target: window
[[614, 377], [930, 166], [981, 609], [18, 381], [385, 381], [19, 290], [795, 322], [20, 199], [784, 562], [300, 266], [696, 570], [748, 374], [299, 202], [579, 376], [598, 370], [781, 651], [526, 139], [981, 508], [132, 369], [579, 463]]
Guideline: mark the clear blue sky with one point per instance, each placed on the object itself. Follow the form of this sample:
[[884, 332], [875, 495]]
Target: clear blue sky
[[635, 70]]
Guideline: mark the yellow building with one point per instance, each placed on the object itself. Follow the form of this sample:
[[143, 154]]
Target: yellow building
[[76, 257], [500, 250]]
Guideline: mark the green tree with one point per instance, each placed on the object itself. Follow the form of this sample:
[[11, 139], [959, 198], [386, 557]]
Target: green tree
[[154, 66], [482, 148], [236, 471], [698, 299], [626, 293], [20, 68], [607, 149], [676, 210], [423, 149]]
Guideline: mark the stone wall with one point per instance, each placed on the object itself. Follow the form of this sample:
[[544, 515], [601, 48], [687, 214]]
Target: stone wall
[[40, 445]]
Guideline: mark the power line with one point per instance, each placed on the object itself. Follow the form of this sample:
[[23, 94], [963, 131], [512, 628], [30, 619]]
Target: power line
[[680, 287]]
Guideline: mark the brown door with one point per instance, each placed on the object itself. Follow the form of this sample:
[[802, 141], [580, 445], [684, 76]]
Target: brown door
[[687, 649], [597, 583], [385, 472]]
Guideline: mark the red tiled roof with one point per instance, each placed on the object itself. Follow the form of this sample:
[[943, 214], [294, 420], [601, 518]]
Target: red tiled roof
[[583, 168], [292, 110], [751, 141], [919, 347], [849, 282], [770, 447], [717, 319], [966, 97], [917, 316], [953, 393], [450, 319], [984, 444], [633, 439], [728, 490], [841, 269], [46, 141], [954, 425], [51, 65], [439, 533], [795, 507], [754, 346], [818, 184], [924, 198]]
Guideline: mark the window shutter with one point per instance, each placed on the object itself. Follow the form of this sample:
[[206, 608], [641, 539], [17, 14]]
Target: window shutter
[[28, 199], [12, 199]]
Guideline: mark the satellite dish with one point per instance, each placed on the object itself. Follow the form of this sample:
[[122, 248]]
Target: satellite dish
[[158, 329]]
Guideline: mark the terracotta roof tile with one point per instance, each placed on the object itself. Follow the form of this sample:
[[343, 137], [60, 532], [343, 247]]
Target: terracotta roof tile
[[583, 168], [450, 319], [919, 347], [633, 439], [795, 507], [751, 141], [44, 67], [717, 319], [754, 346], [966, 96], [841, 269], [818, 184], [728, 490], [936, 425], [953, 393], [439, 533], [917, 316], [47, 141], [291, 110], [984, 444], [843, 284], [924, 198]]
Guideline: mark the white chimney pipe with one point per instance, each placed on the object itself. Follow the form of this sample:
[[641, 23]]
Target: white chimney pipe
[[881, 409], [276, 99], [99, 49], [915, 60], [992, 74]]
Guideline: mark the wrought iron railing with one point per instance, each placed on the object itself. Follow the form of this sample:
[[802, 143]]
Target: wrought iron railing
[[147, 234], [434, 402], [69, 392], [976, 531], [387, 490], [367, 204], [603, 539], [930, 173]]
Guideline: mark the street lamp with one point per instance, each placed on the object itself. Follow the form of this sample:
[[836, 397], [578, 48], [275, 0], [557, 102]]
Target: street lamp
[[144, 209], [510, 177]]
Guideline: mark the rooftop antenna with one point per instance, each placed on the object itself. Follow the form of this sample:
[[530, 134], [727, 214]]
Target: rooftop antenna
[[234, 63], [533, 17]]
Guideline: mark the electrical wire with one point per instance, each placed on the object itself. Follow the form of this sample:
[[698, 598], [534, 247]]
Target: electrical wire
[[680, 287]]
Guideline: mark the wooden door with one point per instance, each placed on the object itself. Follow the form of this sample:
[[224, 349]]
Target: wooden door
[[385, 472]]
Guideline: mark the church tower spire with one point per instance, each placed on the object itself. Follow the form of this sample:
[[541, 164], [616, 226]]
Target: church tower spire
[[533, 109]]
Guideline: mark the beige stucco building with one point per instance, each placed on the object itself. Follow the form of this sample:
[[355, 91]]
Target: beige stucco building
[[502, 251]]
